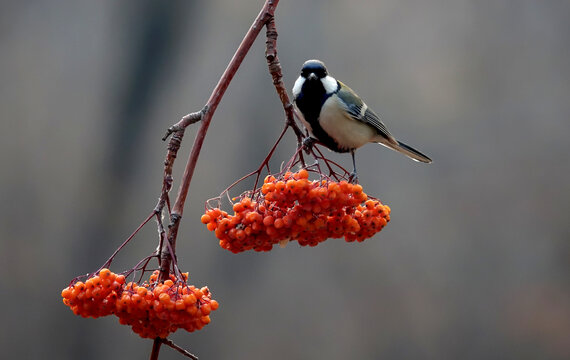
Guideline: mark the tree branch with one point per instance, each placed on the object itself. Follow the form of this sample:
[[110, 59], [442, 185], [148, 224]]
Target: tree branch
[[264, 15], [155, 349], [184, 352], [277, 75], [205, 115]]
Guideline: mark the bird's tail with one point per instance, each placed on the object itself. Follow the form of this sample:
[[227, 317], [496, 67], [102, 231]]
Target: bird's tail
[[408, 151]]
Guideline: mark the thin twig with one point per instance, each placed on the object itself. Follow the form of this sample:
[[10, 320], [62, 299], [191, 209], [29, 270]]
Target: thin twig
[[186, 120], [161, 236], [265, 162], [110, 260], [179, 349], [164, 199], [173, 147]]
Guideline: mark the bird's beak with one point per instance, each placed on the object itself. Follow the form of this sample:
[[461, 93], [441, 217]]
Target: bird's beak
[[312, 76]]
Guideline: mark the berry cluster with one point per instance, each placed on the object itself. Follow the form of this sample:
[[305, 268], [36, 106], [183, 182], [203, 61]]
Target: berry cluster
[[153, 309], [95, 297], [292, 207]]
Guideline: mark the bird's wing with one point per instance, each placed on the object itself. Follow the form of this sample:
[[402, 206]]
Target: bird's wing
[[359, 111]]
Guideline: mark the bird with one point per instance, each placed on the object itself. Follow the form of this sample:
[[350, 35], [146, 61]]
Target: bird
[[335, 116]]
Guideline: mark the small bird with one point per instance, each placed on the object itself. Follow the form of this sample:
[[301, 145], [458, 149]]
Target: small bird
[[337, 117]]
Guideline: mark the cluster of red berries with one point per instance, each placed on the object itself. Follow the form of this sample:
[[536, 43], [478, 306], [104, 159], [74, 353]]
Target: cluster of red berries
[[96, 296], [292, 207], [153, 309]]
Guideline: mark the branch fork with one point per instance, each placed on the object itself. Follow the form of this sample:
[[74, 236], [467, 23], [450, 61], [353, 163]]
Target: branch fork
[[167, 239]]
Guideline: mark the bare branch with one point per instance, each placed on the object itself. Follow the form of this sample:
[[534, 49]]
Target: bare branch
[[155, 349], [277, 75], [264, 15], [179, 349], [168, 255], [186, 120]]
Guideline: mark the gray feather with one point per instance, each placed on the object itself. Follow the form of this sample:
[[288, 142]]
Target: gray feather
[[359, 111], [408, 151]]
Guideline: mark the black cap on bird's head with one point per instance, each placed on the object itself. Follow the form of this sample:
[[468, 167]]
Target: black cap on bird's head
[[314, 69]]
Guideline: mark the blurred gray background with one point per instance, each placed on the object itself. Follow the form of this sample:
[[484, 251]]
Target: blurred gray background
[[473, 265]]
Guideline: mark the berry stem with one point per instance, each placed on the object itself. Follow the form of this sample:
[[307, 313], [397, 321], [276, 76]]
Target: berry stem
[[265, 162], [112, 257], [155, 348], [184, 352], [257, 173]]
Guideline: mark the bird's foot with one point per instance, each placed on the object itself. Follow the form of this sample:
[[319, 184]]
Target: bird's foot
[[353, 178], [308, 143]]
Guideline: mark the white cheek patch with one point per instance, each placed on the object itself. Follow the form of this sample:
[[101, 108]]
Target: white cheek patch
[[330, 84], [298, 86]]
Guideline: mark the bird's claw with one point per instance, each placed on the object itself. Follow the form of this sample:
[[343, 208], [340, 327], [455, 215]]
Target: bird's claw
[[353, 178], [308, 143]]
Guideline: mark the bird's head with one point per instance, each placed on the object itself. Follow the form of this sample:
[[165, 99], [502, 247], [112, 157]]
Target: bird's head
[[314, 74], [314, 70]]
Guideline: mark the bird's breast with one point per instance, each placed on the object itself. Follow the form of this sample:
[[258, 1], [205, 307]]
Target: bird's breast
[[347, 132]]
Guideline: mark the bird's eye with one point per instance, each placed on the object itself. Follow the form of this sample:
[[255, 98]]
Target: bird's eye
[[319, 72]]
